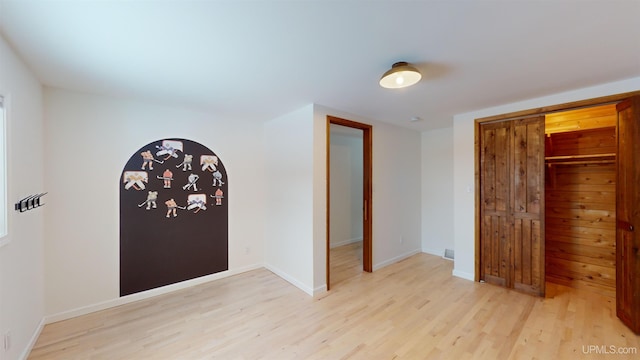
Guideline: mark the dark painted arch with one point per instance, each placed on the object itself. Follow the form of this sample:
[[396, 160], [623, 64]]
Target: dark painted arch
[[160, 245]]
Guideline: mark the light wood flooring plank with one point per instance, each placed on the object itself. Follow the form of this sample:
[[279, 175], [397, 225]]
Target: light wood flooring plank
[[413, 309], [345, 262]]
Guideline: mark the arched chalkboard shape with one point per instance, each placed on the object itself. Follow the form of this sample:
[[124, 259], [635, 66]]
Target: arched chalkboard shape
[[173, 215]]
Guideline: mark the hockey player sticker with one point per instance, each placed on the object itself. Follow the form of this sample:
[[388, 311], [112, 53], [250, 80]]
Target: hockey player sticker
[[167, 178], [219, 195], [192, 179], [135, 180], [151, 200], [169, 149], [173, 216], [209, 162], [148, 159], [186, 162], [197, 202]]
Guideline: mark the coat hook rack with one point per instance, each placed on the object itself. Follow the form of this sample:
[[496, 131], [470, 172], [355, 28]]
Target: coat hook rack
[[30, 202]]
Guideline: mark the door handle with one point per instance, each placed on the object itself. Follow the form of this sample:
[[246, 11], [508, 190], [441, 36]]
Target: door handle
[[365, 210]]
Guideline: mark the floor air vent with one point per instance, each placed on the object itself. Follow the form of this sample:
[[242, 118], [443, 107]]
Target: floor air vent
[[448, 254]]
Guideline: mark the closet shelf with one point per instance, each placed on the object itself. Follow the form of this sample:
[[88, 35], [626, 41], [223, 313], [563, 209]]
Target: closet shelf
[[581, 159]]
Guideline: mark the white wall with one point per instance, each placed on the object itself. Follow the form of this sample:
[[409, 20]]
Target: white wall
[[276, 220], [463, 175], [88, 141], [397, 187], [396, 192], [21, 259], [288, 211], [346, 187], [437, 191]]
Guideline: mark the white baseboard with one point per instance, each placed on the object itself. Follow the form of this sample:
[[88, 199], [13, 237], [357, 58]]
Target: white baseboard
[[295, 282], [395, 259], [146, 294], [463, 275], [320, 290], [345, 242], [32, 341], [436, 252]]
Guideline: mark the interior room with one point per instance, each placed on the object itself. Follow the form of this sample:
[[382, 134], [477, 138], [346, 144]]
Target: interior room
[[345, 203], [319, 180]]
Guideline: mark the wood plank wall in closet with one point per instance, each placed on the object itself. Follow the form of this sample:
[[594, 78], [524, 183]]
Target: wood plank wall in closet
[[580, 195]]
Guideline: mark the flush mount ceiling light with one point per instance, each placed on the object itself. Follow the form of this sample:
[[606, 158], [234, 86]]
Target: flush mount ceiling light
[[400, 75]]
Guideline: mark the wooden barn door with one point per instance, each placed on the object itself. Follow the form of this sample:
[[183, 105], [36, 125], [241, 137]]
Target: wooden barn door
[[495, 212], [512, 203], [628, 214], [528, 205]]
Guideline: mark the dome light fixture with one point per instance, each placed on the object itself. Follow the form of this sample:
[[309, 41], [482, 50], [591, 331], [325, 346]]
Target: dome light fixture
[[400, 75]]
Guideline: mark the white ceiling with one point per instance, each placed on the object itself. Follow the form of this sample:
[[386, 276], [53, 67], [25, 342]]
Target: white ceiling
[[260, 59]]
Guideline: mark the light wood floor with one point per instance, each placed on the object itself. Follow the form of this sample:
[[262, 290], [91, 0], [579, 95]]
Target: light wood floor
[[345, 262], [413, 309]]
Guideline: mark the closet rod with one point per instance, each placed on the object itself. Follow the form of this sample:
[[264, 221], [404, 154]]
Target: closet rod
[[609, 158]]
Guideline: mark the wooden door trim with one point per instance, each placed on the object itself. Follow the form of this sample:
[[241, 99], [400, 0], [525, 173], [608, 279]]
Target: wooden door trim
[[367, 153], [544, 110]]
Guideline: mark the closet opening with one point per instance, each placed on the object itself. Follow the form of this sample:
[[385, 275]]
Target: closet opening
[[558, 200], [580, 198]]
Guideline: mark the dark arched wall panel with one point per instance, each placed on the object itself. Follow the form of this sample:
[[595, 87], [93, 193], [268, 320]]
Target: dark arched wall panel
[[173, 215]]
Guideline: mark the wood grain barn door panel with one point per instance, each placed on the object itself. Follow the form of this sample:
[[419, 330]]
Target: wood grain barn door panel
[[494, 198], [512, 203], [528, 205], [628, 214]]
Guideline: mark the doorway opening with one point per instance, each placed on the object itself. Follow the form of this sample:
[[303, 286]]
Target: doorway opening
[[349, 192]]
